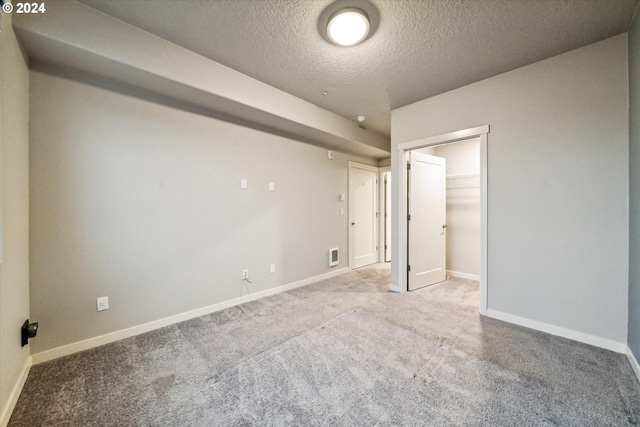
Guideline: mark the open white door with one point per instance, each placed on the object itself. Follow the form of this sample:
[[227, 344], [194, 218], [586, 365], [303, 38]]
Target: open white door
[[363, 208], [426, 232]]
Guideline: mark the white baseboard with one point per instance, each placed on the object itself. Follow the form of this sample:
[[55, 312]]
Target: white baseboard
[[463, 275], [15, 393], [87, 344], [395, 288], [633, 362], [582, 337]]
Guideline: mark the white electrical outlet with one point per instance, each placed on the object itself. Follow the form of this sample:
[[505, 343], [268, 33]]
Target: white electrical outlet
[[272, 268], [245, 274], [102, 303], [272, 186]]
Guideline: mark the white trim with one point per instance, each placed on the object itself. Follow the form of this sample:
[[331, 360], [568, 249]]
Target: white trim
[[15, 393], [618, 347], [399, 256], [394, 287], [633, 362], [353, 164], [89, 343], [381, 211], [484, 223], [463, 275], [444, 138]]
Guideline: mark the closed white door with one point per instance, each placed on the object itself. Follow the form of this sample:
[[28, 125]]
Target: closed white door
[[427, 220], [363, 224]]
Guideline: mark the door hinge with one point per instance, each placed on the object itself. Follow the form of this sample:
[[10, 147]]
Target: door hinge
[[377, 214], [409, 217], [408, 268], [408, 166], [385, 247], [376, 247]]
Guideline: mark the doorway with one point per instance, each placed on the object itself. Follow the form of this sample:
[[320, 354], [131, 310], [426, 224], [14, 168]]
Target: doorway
[[363, 215], [400, 248]]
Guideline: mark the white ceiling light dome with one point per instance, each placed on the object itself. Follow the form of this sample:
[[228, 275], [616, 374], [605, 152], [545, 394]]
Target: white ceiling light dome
[[348, 26]]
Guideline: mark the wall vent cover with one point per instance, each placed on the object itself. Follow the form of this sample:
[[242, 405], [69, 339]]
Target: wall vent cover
[[334, 257]]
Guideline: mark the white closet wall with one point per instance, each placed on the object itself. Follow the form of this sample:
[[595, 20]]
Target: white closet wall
[[463, 207]]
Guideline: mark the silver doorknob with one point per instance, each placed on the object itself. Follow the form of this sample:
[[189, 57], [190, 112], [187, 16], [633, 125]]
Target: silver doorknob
[[444, 226], [353, 223]]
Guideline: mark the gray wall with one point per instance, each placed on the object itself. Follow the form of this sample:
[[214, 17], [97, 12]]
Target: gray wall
[[558, 184], [141, 202], [14, 194], [634, 188]]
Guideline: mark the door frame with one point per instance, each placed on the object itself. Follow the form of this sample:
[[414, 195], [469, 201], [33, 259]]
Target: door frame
[[399, 257], [376, 237], [382, 209]]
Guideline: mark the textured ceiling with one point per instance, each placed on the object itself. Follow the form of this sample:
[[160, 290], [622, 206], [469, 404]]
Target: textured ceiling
[[420, 48]]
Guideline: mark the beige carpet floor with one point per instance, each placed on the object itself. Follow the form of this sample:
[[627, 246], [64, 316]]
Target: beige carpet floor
[[341, 352]]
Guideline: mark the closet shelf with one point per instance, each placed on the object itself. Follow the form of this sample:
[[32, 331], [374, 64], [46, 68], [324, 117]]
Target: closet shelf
[[463, 175]]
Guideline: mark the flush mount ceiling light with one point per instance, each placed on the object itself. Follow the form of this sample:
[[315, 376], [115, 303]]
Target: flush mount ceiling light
[[348, 26], [343, 24]]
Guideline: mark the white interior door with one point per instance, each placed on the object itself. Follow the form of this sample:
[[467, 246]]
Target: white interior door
[[387, 217], [363, 207], [426, 221]]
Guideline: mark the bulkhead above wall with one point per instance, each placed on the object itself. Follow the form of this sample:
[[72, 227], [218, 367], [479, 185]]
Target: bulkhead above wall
[[73, 35]]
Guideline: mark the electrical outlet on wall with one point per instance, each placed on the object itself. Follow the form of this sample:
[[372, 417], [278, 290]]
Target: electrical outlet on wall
[[102, 303], [245, 274], [272, 268]]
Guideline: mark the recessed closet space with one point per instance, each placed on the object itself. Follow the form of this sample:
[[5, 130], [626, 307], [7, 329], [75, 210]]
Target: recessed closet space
[[463, 236]]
